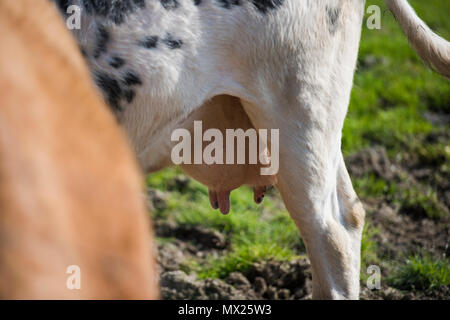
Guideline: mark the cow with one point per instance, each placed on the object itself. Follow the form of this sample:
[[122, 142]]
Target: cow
[[70, 188], [289, 64]]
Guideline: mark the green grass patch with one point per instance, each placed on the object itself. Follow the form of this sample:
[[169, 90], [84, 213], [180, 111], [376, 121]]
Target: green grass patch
[[421, 203], [370, 186], [368, 249], [422, 272], [390, 96], [431, 153]]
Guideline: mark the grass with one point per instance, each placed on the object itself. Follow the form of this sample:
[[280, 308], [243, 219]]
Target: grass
[[420, 203], [368, 247], [388, 103], [389, 98], [370, 186], [392, 91], [417, 200], [421, 272]]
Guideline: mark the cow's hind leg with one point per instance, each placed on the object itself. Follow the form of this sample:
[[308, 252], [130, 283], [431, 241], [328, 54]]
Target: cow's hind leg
[[322, 210], [303, 90], [318, 194]]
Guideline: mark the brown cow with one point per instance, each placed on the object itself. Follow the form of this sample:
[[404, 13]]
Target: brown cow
[[70, 191]]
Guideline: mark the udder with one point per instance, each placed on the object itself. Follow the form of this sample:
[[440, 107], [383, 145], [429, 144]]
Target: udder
[[226, 112]]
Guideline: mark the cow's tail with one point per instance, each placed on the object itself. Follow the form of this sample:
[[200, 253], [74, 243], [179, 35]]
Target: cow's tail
[[434, 50]]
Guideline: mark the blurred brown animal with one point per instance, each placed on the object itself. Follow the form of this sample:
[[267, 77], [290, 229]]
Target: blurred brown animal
[[70, 190]]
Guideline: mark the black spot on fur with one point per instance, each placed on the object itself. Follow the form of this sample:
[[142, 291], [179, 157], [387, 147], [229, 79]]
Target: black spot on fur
[[172, 43], [111, 89], [265, 5], [116, 62], [87, 6], [113, 10], [100, 7], [103, 38], [197, 2], [129, 95], [333, 19], [63, 5], [228, 4], [149, 42], [131, 79], [119, 11], [140, 3], [170, 4]]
